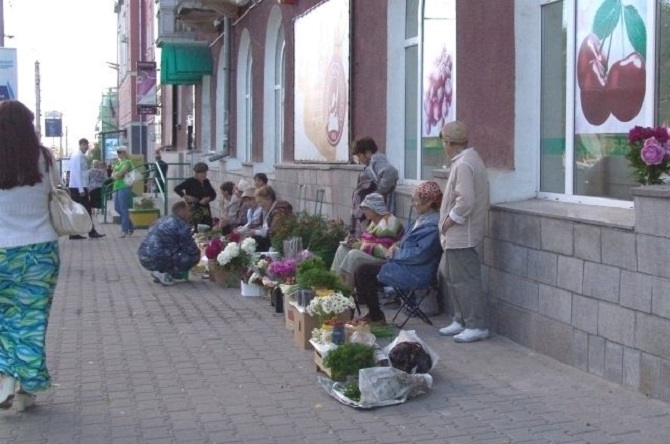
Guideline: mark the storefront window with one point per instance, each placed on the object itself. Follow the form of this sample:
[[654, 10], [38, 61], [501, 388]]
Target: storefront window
[[411, 111], [279, 83], [599, 57], [430, 50], [552, 130], [663, 64], [249, 109]]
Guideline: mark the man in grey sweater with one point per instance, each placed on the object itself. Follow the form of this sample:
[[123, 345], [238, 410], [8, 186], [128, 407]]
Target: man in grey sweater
[[462, 224]]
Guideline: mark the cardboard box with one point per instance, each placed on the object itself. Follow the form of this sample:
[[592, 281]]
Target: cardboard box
[[303, 324]]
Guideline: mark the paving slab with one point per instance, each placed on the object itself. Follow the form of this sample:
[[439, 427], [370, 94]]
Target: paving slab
[[135, 362]]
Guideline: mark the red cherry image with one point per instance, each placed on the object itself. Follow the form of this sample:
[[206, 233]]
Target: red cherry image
[[626, 86], [593, 94], [589, 51]]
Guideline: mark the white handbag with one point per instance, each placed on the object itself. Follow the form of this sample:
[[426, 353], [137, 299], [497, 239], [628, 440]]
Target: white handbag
[[131, 177], [68, 217]]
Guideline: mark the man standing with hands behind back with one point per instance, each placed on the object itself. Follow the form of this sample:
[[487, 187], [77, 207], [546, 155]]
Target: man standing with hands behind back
[[462, 224], [78, 184]]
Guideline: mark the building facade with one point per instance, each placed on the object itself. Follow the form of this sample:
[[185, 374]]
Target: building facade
[[572, 259], [135, 45]]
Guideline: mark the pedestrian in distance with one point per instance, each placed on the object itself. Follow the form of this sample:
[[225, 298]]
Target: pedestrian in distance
[[169, 248], [198, 192], [96, 178], [462, 224], [123, 193], [78, 184], [29, 258]]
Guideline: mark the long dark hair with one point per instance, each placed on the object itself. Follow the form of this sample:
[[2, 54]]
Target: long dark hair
[[19, 147]]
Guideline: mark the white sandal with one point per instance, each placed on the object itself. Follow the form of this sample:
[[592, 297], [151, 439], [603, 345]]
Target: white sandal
[[7, 385], [24, 400]]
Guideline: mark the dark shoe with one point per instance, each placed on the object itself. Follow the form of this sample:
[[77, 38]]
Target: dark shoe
[[76, 237], [95, 235]]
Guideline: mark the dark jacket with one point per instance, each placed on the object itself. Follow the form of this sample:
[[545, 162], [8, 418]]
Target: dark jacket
[[169, 246], [194, 188], [415, 262]]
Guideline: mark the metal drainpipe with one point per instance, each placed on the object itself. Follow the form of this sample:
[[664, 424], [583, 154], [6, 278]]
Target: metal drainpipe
[[227, 44]]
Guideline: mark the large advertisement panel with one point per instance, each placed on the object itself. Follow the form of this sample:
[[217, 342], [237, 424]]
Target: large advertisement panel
[[321, 123], [614, 91], [615, 76], [8, 74], [439, 59]]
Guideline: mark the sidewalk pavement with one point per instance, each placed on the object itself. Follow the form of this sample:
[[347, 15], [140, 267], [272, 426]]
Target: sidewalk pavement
[[135, 362]]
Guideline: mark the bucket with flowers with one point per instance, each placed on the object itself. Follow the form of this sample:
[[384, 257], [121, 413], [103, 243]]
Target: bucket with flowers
[[234, 260], [252, 279]]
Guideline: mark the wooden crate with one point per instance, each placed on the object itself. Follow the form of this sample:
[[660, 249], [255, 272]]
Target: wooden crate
[[318, 360]]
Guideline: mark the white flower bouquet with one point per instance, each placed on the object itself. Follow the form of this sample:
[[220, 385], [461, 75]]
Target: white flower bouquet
[[237, 255], [330, 305]]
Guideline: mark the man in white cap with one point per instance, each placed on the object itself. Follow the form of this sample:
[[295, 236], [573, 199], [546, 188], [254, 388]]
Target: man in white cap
[[462, 223]]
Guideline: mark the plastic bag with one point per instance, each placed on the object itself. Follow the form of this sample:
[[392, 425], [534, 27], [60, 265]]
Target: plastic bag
[[383, 385], [380, 387], [411, 336], [363, 337]]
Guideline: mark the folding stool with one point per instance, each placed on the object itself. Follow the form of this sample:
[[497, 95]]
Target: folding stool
[[410, 303]]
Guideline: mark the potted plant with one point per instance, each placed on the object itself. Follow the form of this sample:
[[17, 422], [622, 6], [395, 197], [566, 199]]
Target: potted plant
[[319, 235], [144, 212], [321, 281]]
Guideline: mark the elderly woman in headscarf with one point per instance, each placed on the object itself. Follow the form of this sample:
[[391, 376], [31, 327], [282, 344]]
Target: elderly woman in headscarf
[[382, 232], [409, 260]]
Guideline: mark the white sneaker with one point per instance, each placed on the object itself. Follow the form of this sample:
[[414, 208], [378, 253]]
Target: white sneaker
[[452, 329], [471, 335], [7, 385], [163, 278]]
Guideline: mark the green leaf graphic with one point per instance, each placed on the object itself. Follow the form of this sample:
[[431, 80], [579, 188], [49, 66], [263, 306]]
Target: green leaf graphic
[[636, 30], [606, 18]]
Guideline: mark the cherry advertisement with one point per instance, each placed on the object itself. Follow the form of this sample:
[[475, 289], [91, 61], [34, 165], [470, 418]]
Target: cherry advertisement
[[321, 122], [439, 51], [614, 78]]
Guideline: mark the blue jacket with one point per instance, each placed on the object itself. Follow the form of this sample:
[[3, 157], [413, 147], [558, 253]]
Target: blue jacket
[[415, 262], [169, 246]]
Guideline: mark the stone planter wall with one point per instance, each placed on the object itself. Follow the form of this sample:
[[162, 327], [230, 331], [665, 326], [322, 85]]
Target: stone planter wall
[[588, 286]]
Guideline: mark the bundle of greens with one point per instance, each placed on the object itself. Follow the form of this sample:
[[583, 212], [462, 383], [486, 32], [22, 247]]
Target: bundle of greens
[[348, 359]]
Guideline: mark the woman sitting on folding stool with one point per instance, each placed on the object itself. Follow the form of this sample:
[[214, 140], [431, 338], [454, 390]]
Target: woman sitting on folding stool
[[413, 261]]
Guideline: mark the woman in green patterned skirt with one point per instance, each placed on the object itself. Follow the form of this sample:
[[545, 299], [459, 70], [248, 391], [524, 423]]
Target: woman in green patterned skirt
[[28, 257]]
